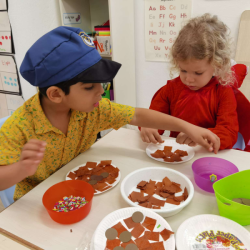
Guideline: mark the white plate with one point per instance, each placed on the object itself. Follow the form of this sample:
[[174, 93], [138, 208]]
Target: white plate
[[98, 192], [191, 229], [121, 214], [151, 148], [130, 182]]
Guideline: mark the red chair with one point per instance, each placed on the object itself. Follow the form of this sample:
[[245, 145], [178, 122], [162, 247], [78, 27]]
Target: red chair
[[243, 105]]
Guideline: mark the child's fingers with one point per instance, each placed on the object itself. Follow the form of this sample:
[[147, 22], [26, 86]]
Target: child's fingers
[[31, 163], [188, 141], [142, 136], [216, 147], [152, 139], [205, 138], [214, 142], [145, 139], [158, 137], [37, 142], [192, 144], [33, 155], [178, 139], [211, 146], [33, 147], [30, 166], [204, 143], [181, 138]]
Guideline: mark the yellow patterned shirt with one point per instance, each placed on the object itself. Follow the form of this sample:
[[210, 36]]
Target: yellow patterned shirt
[[30, 122]]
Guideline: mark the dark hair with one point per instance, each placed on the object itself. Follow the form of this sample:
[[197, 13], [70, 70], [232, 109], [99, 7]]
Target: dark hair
[[64, 86]]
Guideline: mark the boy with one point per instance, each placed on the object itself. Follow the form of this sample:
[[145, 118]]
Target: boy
[[67, 113]]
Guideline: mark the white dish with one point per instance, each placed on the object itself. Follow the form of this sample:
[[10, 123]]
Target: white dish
[[97, 192], [151, 148], [213, 227], [131, 181], [113, 218]]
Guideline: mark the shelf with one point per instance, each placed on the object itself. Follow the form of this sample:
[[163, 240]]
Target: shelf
[[86, 14]]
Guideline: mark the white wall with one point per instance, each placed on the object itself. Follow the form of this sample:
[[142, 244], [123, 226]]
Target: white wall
[[81, 6], [99, 12], [30, 19], [150, 76]]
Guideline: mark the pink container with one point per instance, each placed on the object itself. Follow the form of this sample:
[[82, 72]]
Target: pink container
[[203, 168]]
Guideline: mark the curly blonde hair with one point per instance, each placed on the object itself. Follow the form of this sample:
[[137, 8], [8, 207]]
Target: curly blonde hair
[[205, 37]]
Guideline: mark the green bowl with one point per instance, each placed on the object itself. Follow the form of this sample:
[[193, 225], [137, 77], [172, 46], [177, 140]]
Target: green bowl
[[234, 186]]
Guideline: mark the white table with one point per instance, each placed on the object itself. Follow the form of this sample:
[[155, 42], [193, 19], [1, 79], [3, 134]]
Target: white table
[[28, 219]]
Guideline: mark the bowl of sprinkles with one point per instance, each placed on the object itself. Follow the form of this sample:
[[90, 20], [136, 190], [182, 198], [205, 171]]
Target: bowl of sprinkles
[[68, 202]]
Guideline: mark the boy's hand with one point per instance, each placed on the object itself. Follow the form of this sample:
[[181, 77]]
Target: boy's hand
[[205, 138], [31, 156], [150, 135], [182, 138]]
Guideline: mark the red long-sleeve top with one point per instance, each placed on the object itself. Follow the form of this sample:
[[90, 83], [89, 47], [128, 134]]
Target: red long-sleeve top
[[212, 107]]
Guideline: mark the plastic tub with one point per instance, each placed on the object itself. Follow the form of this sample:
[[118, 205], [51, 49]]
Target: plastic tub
[[130, 182], [234, 186], [203, 168], [68, 188]]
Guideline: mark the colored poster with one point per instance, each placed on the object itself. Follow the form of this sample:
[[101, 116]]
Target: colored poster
[[163, 21]]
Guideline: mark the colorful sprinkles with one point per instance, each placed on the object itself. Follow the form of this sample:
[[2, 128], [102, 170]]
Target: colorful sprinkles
[[70, 203]]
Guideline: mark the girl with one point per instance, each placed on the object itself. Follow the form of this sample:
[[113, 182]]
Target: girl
[[202, 93]]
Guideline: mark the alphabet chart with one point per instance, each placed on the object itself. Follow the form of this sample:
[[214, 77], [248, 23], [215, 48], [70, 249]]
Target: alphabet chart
[[163, 21]]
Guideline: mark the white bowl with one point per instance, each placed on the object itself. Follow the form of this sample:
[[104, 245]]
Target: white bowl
[[130, 182]]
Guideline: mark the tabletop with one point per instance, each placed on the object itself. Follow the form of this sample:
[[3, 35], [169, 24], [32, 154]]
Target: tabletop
[[28, 219]]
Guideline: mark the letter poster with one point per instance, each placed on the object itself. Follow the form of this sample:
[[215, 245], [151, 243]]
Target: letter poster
[[163, 21]]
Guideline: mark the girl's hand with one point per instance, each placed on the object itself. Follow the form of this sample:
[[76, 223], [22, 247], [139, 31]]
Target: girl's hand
[[204, 137], [182, 138], [150, 135]]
